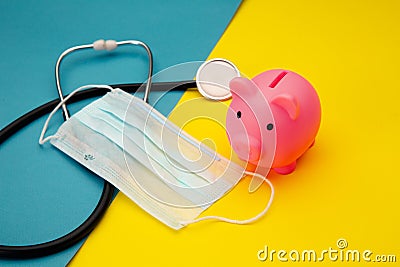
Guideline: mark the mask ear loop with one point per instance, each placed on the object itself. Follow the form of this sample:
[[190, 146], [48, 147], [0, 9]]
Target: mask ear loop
[[247, 221], [43, 140]]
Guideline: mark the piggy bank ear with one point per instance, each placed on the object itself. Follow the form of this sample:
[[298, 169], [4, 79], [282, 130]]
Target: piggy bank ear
[[288, 103], [242, 87]]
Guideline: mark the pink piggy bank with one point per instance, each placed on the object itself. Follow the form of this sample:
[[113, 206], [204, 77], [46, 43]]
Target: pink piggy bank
[[275, 135]]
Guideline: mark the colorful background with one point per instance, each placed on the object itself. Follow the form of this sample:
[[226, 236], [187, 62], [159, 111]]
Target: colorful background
[[43, 193], [346, 187]]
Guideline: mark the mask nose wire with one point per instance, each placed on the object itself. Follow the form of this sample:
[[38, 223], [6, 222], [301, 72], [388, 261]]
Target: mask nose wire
[[103, 45]]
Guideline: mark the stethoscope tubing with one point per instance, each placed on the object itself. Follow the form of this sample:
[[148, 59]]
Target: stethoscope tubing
[[69, 239], [46, 108]]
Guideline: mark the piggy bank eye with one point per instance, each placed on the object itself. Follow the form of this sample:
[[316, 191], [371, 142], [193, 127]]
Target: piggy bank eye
[[270, 126], [238, 114]]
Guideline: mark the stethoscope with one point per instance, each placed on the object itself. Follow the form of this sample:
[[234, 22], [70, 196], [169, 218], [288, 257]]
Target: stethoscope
[[208, 81]]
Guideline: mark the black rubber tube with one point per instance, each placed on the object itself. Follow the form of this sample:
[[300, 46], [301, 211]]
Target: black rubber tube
[[66, 241]]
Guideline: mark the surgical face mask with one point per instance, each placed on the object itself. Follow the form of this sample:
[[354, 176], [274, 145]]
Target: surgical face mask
[[161, 168]]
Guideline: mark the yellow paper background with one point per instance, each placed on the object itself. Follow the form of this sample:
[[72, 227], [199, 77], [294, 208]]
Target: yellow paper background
[[346, 186]]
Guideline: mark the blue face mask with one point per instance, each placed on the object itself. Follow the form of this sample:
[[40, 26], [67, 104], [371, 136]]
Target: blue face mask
[[161, 168]]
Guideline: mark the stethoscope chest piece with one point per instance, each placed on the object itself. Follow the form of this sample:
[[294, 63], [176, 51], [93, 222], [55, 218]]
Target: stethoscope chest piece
[[213, 78]]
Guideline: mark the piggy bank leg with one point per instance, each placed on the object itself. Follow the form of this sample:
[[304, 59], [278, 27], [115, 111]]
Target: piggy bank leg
[[286, 169], [312, 144]]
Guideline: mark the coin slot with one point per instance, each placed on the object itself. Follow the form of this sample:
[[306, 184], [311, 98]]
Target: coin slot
[[278, 78]]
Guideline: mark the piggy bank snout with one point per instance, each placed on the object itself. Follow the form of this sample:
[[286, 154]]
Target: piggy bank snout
[[247, 147]]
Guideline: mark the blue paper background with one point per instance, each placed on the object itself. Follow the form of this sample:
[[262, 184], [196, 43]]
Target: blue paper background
[[43, 193]]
